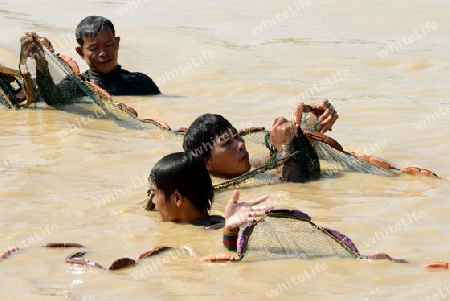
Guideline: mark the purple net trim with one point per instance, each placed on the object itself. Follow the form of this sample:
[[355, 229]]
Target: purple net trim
[[243, 238], [343, 238]]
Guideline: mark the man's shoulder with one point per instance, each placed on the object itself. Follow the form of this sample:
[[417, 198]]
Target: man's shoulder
[[124, 75], [138, 76], [142, 80], [123, 82]]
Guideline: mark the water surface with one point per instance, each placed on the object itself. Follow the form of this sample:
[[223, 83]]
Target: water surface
[[250, 62]]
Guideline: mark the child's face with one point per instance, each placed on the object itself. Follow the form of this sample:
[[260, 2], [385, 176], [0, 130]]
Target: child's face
[[229, 156], [166, 207]]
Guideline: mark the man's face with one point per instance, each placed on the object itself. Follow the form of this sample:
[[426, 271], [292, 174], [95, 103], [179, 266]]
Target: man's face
[[101, 52], [229, 157]]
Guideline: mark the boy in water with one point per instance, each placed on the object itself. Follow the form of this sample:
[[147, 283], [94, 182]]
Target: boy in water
[[214, 139], [183, 193]]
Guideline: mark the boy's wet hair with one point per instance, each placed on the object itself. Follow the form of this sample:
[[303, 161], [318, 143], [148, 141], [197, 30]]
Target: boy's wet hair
[[91, 26], [186, 174], [199, 138]]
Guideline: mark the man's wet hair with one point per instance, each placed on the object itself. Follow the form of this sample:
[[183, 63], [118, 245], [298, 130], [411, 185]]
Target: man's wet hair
[[91, 26], [186, 174], [199, 138]]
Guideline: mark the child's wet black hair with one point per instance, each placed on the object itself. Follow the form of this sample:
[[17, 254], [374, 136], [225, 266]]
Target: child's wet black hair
[[186, 174], [199, 138]]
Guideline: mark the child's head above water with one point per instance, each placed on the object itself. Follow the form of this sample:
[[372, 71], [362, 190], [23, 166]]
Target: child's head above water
[[217, 142], [199, 138], [182, 186]]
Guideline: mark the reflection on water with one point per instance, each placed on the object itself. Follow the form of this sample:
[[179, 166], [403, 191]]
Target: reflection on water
[[386, 107]]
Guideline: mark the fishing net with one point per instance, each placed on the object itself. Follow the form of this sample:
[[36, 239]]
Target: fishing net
[[290, 234], [59, 84], [300, 160], [10, 85], [279, 234], [330, 150], [283, 233], [300, 164]]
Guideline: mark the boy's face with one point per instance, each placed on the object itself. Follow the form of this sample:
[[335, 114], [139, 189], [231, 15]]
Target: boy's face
[[229, 156], [166, 208], [101, 52]]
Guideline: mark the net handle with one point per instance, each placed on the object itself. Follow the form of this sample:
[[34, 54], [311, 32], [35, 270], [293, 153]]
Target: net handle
[[27, 80], [9, 71], [324, 138]]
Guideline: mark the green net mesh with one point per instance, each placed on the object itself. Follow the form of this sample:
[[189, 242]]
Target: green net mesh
[[9, 86], [290, 234], [344, 160], [59, 86], [262, 175], [300, 161], [5, 95], [340, 159]]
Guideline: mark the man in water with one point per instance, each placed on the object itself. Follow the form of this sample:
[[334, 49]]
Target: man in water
[[99, 47]]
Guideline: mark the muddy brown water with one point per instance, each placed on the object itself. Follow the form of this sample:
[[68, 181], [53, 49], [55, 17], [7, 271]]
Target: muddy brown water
[[385, 67]]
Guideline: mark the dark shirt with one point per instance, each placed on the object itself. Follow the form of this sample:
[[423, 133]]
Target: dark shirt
[[123, 82], [210, 222], [117, 82]]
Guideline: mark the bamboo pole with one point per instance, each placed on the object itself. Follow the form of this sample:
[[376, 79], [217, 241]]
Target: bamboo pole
[[10, 71], [28, 86]]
